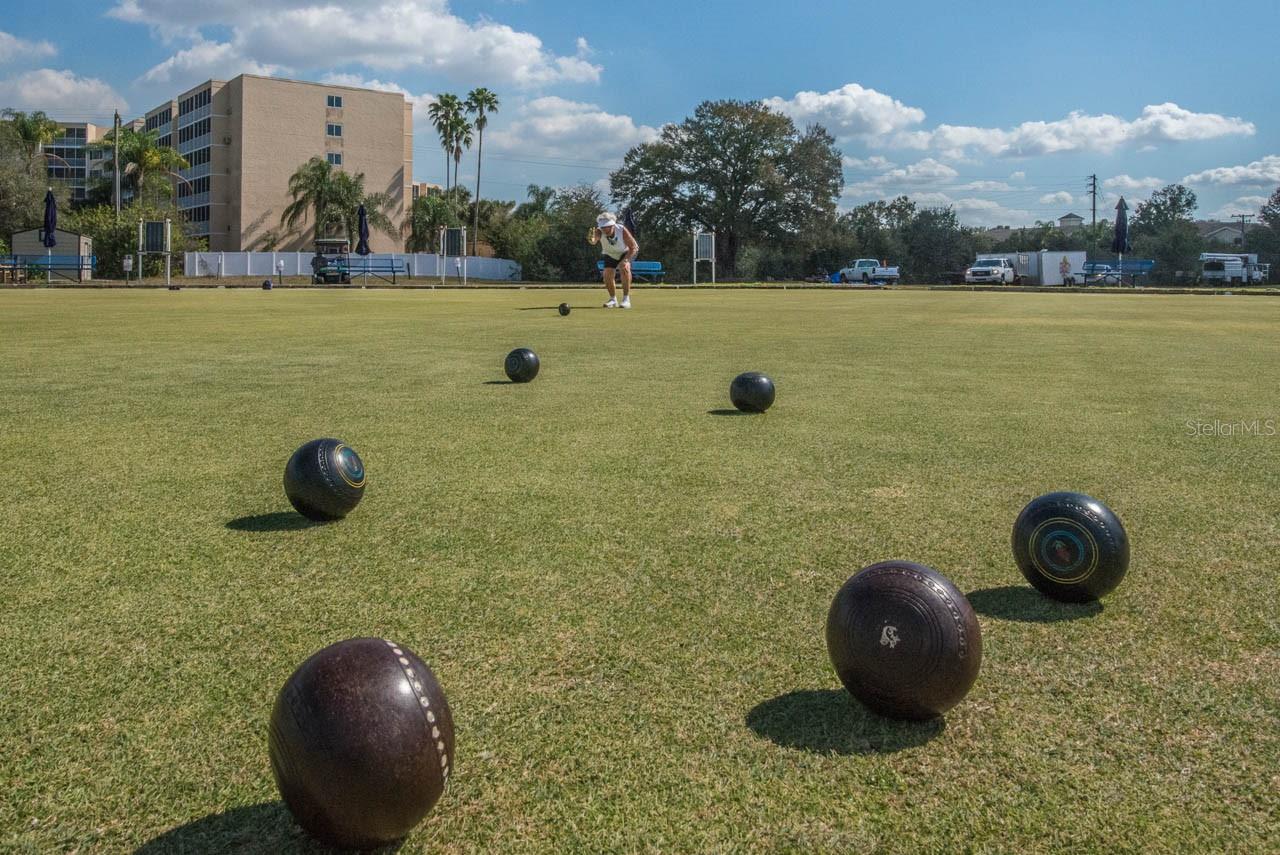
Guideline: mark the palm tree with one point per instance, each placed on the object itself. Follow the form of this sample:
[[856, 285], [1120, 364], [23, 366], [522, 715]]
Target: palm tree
[[480, 102], [334, 198], [141, 157], [442, 113], [31, 130], [460, 133], [427, 215], [311, 187]]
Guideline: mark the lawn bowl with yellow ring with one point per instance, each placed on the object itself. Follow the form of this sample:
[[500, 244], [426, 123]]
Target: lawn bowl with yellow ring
[[324, 479], [1071, 547]]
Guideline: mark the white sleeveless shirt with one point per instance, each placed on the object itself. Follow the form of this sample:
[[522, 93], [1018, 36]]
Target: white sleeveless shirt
[[614, 247]]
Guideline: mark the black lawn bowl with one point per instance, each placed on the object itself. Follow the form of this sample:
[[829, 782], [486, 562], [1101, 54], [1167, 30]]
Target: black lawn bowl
[[1071, 547], [361, 743], [751, 392], [521, 365], [324, 479], [266, 285], [904, 640], [564, 309]]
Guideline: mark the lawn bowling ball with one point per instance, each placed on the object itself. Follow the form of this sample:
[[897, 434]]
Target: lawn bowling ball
[[266, 285], [751, 392], [324, 479], [522, 365], [361, 743], [564, 308], [904, 640], [1070, 547]]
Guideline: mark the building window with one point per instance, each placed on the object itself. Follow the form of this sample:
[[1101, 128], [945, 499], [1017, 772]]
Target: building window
[[195, 102], [335, 158], [333, 101], [333, 130]]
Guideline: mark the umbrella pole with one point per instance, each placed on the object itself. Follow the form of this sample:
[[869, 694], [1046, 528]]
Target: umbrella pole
[[48, 265]]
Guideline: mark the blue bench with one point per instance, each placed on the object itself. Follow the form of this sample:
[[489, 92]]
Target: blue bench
[[61, 266], [380, 268], [1113, 273], [645, 271]]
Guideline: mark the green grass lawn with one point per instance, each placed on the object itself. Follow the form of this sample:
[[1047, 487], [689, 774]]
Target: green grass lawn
[[623, 592]]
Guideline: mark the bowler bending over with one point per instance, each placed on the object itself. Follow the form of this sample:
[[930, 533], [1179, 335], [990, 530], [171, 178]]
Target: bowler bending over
[[619, 249]]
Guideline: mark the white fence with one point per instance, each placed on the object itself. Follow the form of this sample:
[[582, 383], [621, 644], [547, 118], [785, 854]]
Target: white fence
[[419, 265]]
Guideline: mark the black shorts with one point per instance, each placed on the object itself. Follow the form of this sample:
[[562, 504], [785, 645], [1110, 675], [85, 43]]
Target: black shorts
[[610, 262]]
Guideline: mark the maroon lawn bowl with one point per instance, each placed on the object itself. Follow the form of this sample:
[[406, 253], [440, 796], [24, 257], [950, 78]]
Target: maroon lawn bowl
[[904, 640], [361, 743]]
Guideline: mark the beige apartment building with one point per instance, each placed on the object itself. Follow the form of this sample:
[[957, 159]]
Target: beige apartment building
[[244, 137]]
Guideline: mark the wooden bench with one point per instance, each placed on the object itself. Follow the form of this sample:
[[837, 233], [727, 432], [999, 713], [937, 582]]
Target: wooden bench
[[644, 271]]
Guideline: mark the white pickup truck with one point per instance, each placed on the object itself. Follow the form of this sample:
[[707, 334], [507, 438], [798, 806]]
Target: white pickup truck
[[991, 268], [868, 270]]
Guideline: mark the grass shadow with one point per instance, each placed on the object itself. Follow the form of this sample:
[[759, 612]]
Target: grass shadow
[[830, 721], [279, 521], [730, 413], [499, 382], [554, 308], [263, 828], [1024, 603]]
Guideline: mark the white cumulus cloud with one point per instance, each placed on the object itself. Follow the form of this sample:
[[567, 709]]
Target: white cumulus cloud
[[13, 48], [1062, 197], [381, 35], [1128, 184], [1265, 171], [556, 127], [850, 111], [205, 60], [1078, 132], [1242, 205], [973, 211], [60, 92], [924, 172]]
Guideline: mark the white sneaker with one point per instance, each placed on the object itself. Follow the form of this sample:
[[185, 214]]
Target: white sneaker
[[626, 302], [612, 304]]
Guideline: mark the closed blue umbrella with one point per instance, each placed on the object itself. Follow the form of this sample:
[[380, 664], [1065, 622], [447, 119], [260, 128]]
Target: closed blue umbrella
[[49, 232], [49, 237], [1120, 243], [362, 217]]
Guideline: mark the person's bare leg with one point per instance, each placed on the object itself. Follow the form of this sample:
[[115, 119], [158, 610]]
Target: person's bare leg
[[626, 283], [608, 283]]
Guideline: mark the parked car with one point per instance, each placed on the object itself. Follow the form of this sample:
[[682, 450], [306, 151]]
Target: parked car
[[868, 270], [992, 269], [1102, 274]]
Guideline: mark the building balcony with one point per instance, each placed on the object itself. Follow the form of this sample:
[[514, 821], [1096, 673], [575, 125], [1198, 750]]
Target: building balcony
[[195, 115], [195, 200], [192, 145], [195, 172]]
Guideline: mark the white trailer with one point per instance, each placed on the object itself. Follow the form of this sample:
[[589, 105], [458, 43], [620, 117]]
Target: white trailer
[[1050, 267]]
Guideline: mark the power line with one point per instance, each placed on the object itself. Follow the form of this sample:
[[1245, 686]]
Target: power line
[[1093, 192], [1243, 218]]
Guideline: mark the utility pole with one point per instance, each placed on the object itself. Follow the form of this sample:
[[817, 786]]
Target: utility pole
[[1093, 192], [115, 171], [1243, 218]]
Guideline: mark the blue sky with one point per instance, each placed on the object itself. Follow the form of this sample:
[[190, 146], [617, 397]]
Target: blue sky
[[1001, 110]]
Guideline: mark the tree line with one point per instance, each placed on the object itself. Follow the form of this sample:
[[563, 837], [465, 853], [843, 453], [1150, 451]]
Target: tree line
[[768, 189]]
